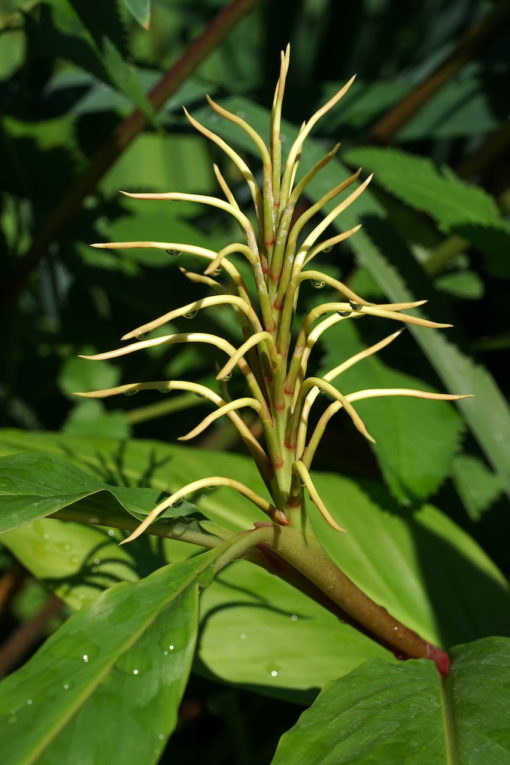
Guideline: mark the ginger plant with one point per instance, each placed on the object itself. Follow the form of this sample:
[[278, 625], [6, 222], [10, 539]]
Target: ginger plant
[[274, 361]]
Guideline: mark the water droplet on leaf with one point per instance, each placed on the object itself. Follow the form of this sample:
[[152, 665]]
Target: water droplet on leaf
[[190, 315], [318, 285]]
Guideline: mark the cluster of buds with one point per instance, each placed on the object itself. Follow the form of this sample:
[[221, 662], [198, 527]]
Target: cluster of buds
[[273, 358]]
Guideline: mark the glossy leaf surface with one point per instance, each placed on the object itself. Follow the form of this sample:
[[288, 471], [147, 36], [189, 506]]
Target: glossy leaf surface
[[118, 666], [385, 714]]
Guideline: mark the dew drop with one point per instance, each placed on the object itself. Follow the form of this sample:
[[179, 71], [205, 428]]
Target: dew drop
[[294, 617], [173, 253], [161, 736], [136, 672], [140, 335], [216, 272], [66, 686], [190, 315], [131, 392], [171, 647], [274, 673], [111, 532], [97, 561], [46, 537], [344, 314], [163, 390], [243, 636], [327, 249], [29, 702], [318, 285], [165, 653], [354, 305], [178, 503], [226, 377], [85, 658]]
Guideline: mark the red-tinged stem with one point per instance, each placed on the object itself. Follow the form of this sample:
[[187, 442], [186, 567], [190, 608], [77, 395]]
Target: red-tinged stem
[[299, 560], [120, 138], [319, 577]]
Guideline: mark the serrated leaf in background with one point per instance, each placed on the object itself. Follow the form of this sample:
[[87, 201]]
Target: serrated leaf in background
[[420, 184]]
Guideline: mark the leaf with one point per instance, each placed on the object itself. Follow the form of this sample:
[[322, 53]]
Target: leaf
[[421, 566], [476, 484], [458, 207], [95, 420], [420, 184], [141, 10], [424, 569], [118, 667], [79, 374], [35, 485], [381, 713], [461, 284], [415, 440], [279, 641], [106, 31]]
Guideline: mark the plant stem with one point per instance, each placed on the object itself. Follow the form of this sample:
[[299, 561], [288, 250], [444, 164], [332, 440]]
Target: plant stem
[[473, 39], [120, 139], [308, 558], [297, 558]]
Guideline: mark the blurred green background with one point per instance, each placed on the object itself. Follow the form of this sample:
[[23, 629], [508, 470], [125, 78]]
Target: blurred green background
[[428, 113]]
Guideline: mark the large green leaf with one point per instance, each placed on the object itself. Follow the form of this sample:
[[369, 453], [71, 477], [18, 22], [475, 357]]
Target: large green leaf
[[419, 565], [386, 714], [278, 639], [110, 680], [35, 485], [415, 440]]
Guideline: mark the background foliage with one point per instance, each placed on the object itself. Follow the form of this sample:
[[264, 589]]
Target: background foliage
[[434, 226]]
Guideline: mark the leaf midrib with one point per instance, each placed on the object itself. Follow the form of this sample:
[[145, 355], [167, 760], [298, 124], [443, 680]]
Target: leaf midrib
[[450, 734], [89, 690]]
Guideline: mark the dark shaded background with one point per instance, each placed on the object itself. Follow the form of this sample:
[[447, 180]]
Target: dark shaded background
[[69, 73]]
